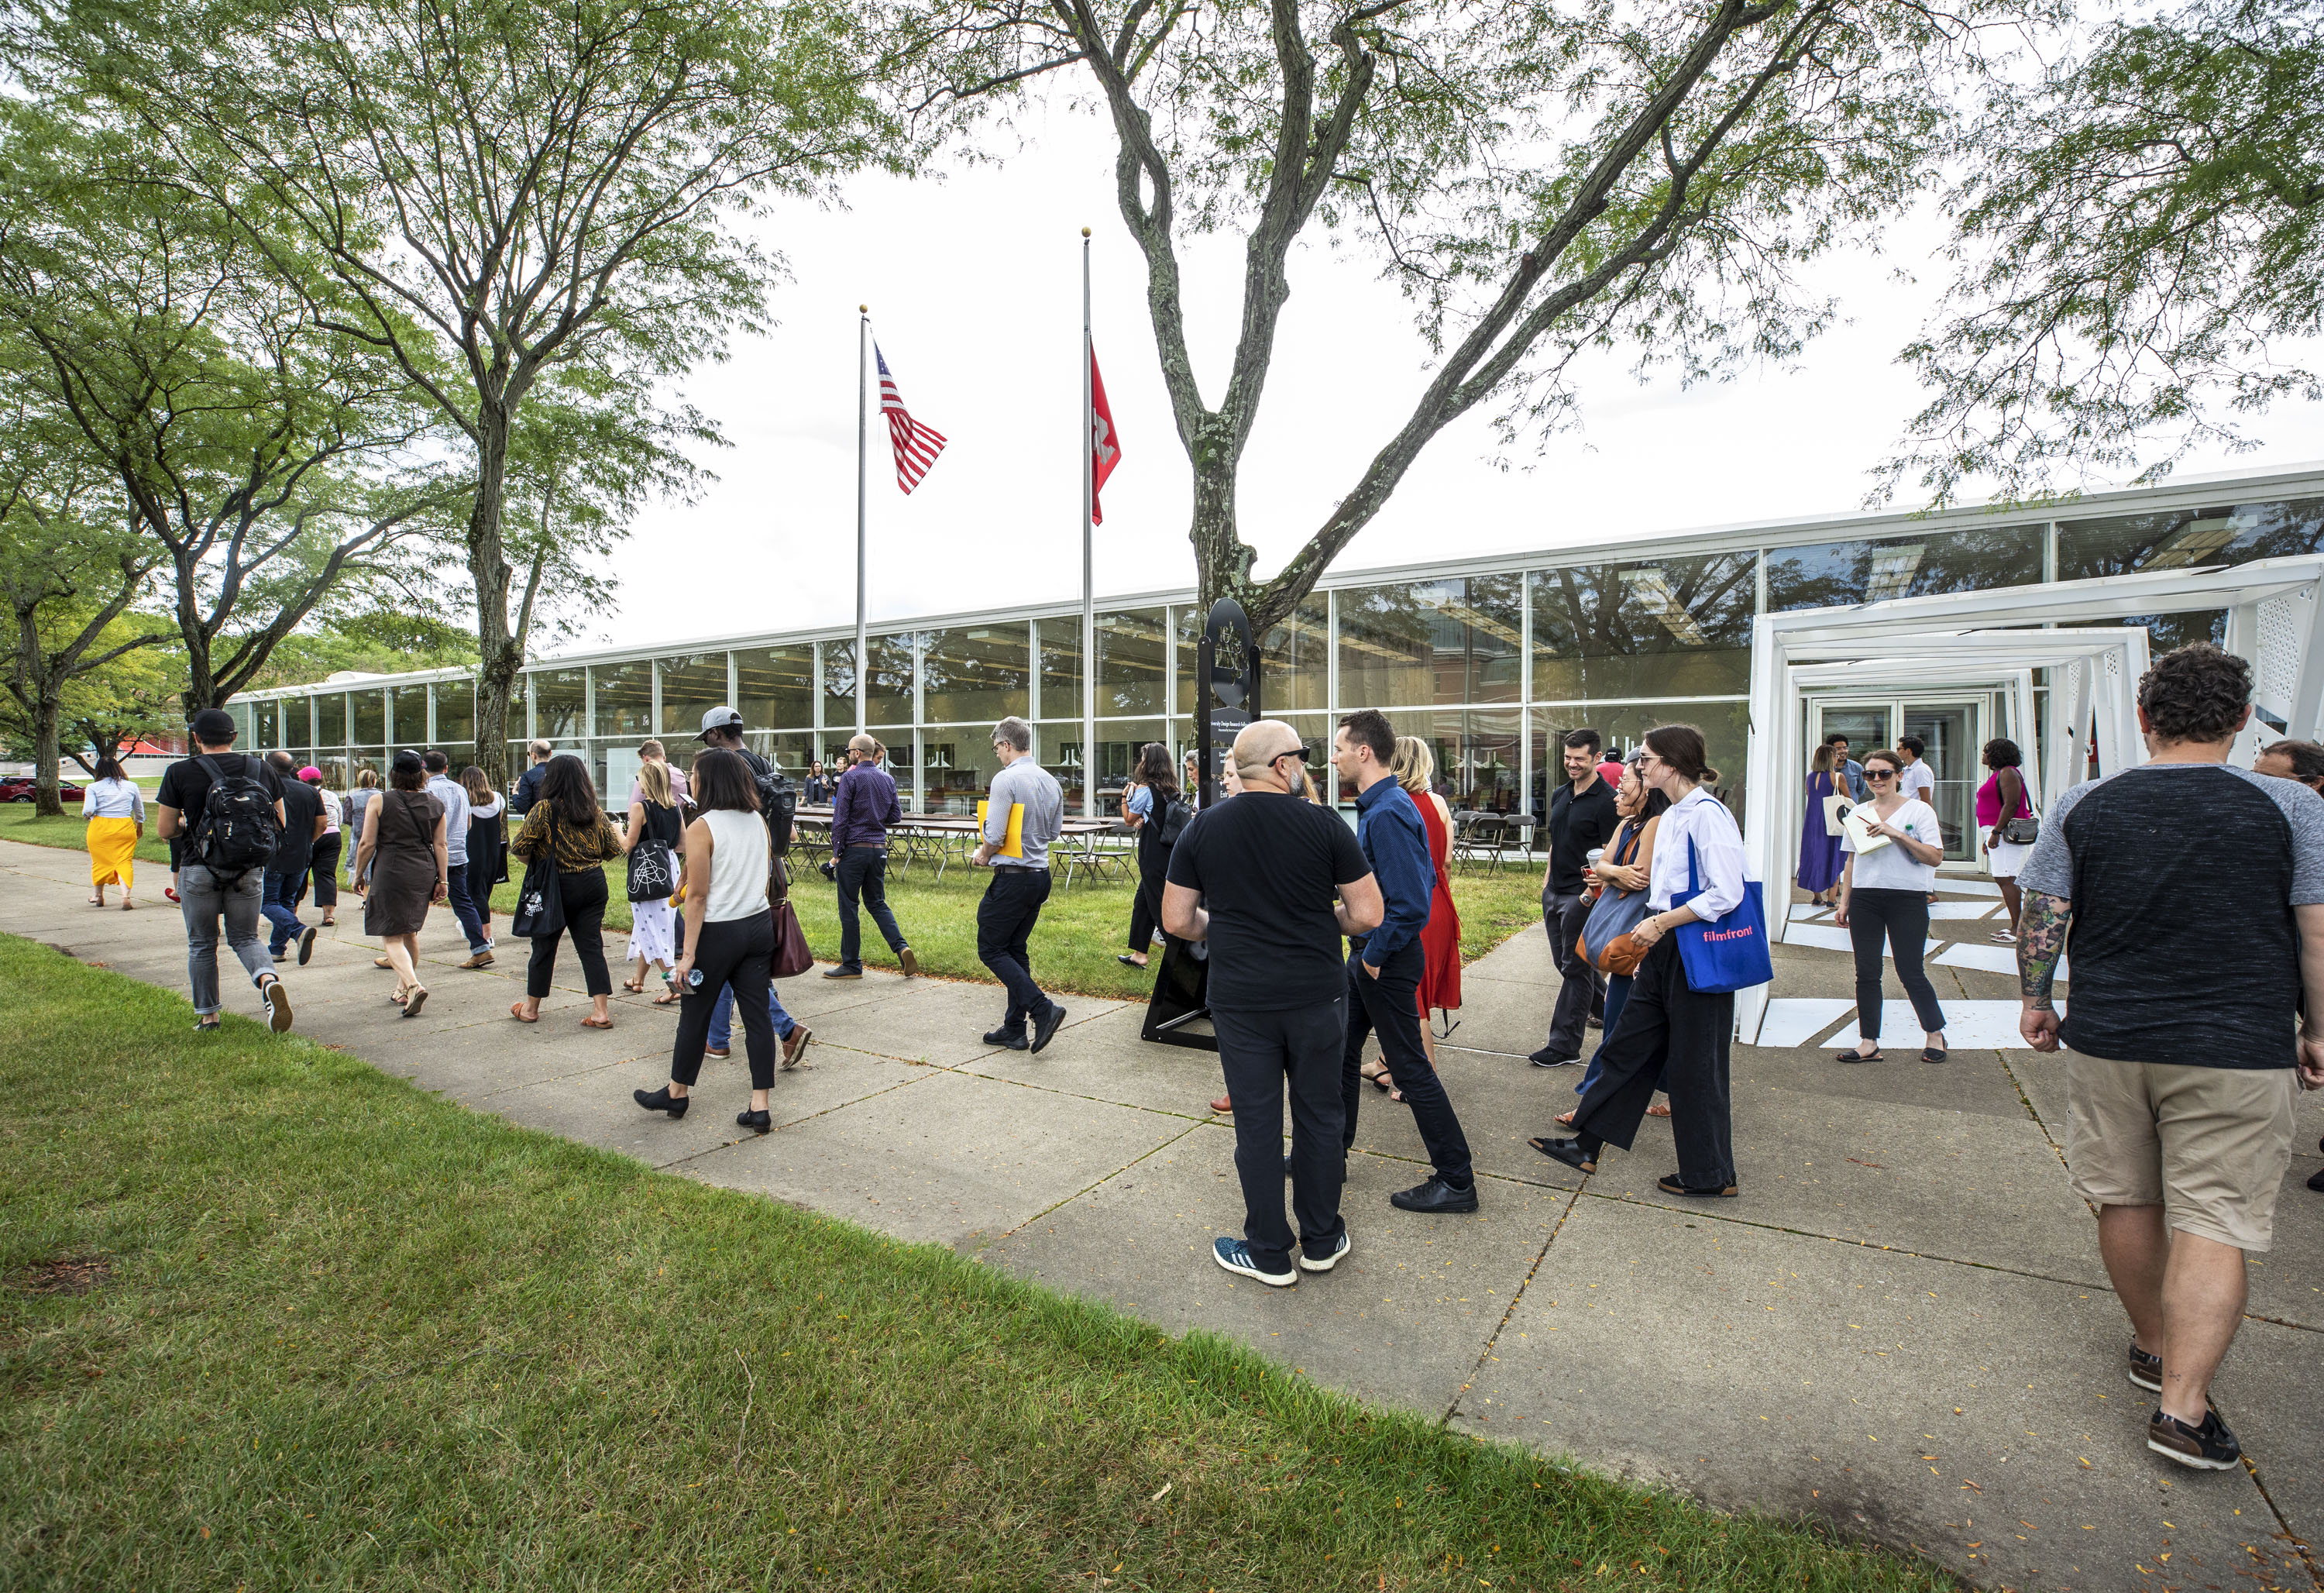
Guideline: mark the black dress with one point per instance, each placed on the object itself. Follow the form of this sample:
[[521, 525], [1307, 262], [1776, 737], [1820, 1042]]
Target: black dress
[[403, 873]]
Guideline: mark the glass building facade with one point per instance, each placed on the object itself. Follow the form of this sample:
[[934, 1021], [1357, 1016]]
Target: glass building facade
[[1491, 661]]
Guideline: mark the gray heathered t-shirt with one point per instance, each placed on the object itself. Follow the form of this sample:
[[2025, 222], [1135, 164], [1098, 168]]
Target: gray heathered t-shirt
[[2182, 878], [1025, 782]]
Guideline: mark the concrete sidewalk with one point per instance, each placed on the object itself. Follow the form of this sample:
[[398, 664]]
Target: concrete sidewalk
[[1901, 1327]]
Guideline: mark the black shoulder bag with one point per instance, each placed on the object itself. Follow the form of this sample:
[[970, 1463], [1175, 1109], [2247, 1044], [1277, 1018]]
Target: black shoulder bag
[[540, 900]]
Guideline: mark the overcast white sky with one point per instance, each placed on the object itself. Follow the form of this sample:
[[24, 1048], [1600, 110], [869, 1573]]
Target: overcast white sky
[[975, 293]]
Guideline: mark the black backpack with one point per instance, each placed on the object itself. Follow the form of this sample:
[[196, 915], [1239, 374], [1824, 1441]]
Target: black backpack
[[237, 830], [1174, 815], [777, 802]]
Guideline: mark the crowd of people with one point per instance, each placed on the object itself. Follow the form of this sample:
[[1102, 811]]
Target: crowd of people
[[1328, 947]]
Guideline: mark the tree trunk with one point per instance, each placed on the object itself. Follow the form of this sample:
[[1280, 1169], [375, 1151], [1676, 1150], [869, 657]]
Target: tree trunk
[[46, 756], [500, 654]]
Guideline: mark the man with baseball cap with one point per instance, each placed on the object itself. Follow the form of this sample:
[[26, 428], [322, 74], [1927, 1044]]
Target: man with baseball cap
[[205, 895]]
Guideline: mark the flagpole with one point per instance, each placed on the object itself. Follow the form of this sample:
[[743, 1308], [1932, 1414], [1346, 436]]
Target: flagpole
[[1089, 594], [863, 476]]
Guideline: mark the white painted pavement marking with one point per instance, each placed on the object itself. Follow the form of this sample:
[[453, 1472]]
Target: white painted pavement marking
[[1804, 910], [1795, 1019], [1948, 885], [1969, 1026], [1993, 959], [1959, 908], [1823, 936]]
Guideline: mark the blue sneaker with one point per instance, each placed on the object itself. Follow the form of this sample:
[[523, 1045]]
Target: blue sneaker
[[1324, 1263], [1235, 1256]]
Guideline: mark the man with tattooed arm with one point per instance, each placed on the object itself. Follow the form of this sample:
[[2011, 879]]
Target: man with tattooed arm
[[2193, 943]]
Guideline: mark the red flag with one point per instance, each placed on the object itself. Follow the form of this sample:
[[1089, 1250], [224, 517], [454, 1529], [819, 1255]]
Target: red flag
[[1105, 446]]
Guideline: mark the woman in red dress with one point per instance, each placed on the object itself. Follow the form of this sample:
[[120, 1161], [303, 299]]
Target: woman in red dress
[[1415, 768]]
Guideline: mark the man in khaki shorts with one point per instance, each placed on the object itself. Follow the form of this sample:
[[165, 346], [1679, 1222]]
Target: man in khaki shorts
[[2194, 894]]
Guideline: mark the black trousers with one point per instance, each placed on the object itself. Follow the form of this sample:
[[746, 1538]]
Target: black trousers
[[1262, 1053], [863, 873], [740, 951], [1901, 918], [584, 896], [323, 874], [1583, 994], [1667, 1035], [1390, 1005], [1004, 928], [1146, 911]]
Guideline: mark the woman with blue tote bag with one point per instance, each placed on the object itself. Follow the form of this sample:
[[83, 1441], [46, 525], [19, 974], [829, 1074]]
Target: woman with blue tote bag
[[1705, 937]]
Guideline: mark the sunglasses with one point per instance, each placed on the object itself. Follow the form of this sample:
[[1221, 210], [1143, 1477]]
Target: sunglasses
[[1880, 773]]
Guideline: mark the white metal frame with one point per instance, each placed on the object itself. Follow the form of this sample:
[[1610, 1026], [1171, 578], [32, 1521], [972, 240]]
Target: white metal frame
[[1905, 644]]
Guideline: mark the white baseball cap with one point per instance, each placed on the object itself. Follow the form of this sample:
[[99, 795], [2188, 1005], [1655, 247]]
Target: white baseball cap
[[721, 717]]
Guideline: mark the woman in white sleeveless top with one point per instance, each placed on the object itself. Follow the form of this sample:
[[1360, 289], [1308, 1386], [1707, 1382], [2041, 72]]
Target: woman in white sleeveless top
[[730, 935]]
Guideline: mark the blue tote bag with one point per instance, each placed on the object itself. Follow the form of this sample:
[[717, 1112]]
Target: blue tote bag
[[1732, 953]]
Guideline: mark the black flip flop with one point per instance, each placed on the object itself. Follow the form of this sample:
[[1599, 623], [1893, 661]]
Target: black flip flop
[[1932, 1054], [1849, 1056]]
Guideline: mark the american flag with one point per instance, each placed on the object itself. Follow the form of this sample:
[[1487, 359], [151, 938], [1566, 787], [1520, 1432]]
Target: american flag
[[917, 446]]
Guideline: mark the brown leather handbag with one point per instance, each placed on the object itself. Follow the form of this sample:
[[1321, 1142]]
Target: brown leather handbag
[[792, 956]]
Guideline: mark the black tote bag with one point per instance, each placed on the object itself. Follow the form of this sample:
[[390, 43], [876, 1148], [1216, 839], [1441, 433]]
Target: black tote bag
[[540, 900]]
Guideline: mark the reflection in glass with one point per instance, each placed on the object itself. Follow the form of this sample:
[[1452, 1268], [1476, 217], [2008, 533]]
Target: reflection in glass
[[1671, 627], [269, 724], [891, 679], [1060, 642], [368, 710], [1133, 660], [976, 674], [456, 711], [839, 684], [2188, 539], [1298, 669], [1416, 643], [558, 699], [1825, 575], [1476, 754], [692, 684], [407, 716], [776, 687], [331, 720], [624, 700], [1118, 744]]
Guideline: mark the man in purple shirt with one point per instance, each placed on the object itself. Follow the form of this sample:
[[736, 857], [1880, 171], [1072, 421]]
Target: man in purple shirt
[[861, 811]]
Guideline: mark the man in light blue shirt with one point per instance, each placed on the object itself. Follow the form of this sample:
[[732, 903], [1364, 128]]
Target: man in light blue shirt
[[1012, 901], [454, 798], [1850, 771]]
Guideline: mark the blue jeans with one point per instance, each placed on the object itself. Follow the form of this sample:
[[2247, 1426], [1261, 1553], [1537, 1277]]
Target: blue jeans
[[455, 888], [1618, 993], [280, 907], [721, 1018]]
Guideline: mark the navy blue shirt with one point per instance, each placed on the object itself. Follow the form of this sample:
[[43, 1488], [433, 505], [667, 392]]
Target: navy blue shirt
[[1396, 843]]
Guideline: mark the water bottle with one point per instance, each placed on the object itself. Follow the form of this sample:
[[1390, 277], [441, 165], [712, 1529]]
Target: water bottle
[[694, 978]]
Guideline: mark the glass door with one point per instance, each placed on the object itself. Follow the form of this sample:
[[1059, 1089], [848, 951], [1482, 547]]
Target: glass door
[[1948, 728]]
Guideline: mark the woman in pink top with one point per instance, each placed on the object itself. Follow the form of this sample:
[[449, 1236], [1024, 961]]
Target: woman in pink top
[[2000, 798]]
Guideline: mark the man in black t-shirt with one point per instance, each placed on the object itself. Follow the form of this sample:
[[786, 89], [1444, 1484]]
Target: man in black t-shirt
[[1271, 882], [286, 875], [2184, 1028], [1581, 817], [204, 897]]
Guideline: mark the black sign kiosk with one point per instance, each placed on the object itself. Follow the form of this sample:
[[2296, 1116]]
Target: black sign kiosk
[[1226, 697]]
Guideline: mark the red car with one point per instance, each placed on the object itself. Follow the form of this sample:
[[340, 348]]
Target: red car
[[19, 789]]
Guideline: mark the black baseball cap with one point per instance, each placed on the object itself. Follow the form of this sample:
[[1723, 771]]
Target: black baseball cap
[[214, 726]]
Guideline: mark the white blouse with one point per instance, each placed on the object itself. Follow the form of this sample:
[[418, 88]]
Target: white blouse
[[1891, 867], [1718, 854], [112, 799]]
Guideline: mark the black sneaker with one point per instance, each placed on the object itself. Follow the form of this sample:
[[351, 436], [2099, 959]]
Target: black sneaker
[[1435, 1195], [1546, 1058], [2208, 1447], [1044, 1027], [2145, 1370], [1014, 1039], [278, 1005], [306, 944]]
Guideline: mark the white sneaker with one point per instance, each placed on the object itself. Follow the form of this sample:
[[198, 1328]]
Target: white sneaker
[[1324, 1263]]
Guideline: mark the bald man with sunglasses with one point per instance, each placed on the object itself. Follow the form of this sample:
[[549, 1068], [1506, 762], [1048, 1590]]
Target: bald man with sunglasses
[[1272, 881]]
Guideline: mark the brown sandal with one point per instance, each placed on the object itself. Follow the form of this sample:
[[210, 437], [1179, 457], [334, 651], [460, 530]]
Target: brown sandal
[[516, 1011], [594, 1022]]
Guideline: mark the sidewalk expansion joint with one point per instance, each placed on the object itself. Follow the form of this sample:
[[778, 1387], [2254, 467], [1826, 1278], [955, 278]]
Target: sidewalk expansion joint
[[1484, 1353], [1056, 1205], [777, 1129]]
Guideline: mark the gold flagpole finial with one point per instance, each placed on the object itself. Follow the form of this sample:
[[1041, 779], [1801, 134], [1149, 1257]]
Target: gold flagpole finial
[[864, 309], [1084, 232]]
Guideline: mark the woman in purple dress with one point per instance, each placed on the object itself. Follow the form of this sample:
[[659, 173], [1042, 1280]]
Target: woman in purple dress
[[1819, 859]]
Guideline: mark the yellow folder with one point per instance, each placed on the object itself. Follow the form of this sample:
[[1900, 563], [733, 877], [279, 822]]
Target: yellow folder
[[1014, 847]]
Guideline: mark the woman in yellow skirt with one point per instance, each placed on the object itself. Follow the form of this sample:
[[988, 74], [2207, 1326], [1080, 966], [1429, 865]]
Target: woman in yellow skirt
[[116, 811]]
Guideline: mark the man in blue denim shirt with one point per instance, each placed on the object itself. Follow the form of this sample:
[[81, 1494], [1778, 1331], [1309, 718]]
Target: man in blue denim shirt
[[1384, 967]]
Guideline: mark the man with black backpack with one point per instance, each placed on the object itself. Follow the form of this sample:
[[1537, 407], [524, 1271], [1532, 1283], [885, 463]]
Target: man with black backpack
[[228, 807]]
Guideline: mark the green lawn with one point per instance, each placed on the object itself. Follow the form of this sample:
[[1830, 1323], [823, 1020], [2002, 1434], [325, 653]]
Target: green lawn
[[1082, 928], [268, 1318]]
